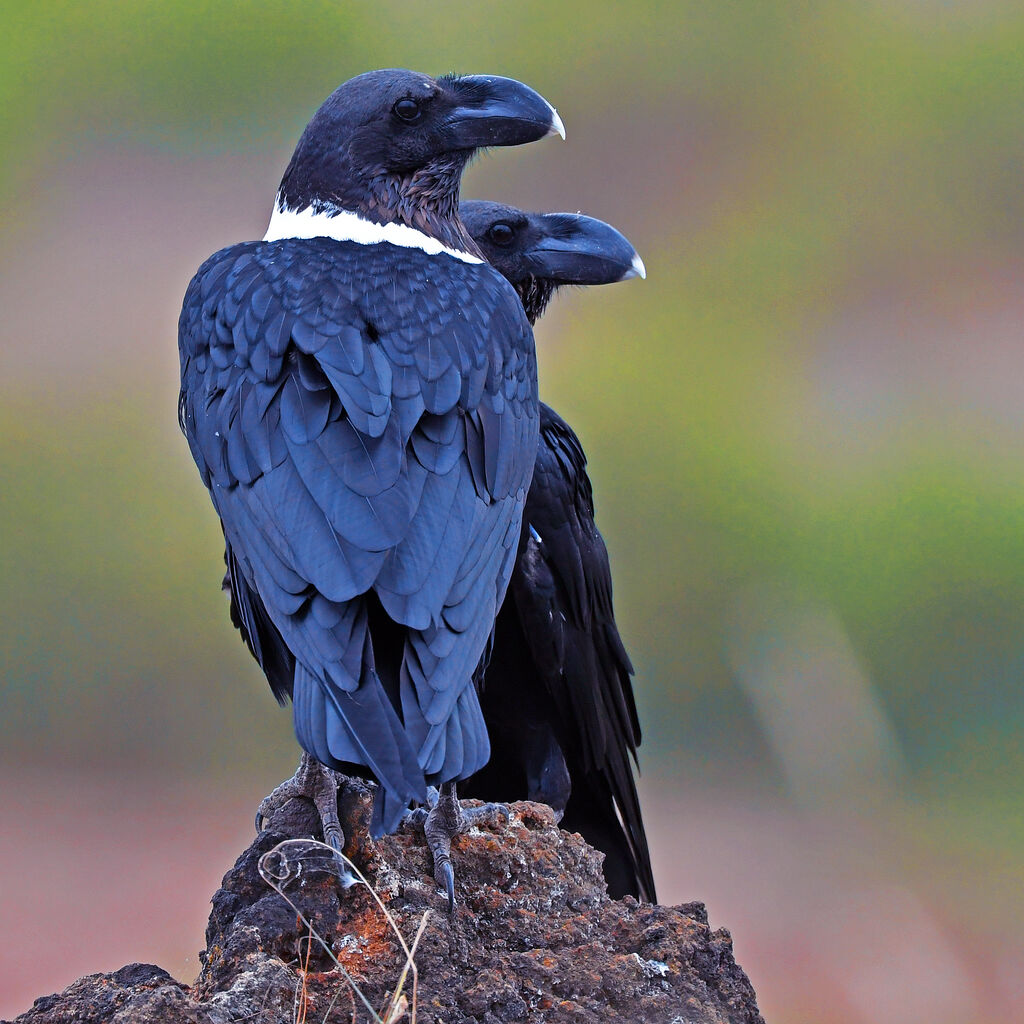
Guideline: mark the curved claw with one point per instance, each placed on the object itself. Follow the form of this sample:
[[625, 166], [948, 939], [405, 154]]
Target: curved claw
[[333, 834], [447, 879], [259, 822], [442, 824]]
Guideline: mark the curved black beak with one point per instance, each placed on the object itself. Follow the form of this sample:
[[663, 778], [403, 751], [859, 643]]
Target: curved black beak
[[573, 249], [492, 111]]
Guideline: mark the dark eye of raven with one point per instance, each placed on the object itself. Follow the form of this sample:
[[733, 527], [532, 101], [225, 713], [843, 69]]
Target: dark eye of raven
[[407, 110], [501, 233]]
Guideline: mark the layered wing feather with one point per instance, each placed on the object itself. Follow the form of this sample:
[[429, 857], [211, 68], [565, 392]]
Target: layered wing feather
[[365, 418], [561, 598]]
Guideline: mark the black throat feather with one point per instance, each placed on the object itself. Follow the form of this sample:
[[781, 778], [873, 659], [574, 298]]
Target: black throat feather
[[535, 293], [426, 199]]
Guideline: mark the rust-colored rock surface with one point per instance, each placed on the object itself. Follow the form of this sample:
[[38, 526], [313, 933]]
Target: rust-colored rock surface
[[534, 938]]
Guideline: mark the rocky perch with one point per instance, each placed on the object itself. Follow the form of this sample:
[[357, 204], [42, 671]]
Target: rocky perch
[[534, 938]]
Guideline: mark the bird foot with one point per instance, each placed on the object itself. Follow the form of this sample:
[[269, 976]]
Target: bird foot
[[446, 819], [317, 783], [416, 817], [492, 816]]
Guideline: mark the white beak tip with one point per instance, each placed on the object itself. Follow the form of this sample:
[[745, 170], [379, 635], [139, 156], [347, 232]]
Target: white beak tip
[[636, 269], [557, 128]]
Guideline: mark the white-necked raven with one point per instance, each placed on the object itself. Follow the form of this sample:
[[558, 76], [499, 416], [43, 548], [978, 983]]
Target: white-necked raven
[[359, 392], [556, 693]]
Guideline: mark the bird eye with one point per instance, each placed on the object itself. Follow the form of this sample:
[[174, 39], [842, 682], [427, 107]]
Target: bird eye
[[408, 110], [500, 233]]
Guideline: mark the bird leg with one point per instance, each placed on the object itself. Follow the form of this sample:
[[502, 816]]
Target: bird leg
[[317, 783], [446, 820]]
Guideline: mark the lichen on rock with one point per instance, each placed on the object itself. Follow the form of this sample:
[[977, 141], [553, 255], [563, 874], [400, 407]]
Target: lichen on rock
[[534, 938]]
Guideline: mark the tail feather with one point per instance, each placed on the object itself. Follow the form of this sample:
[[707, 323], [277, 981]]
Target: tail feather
[[343, 728]]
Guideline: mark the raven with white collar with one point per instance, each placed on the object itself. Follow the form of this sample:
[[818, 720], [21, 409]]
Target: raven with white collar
[[359, 393]]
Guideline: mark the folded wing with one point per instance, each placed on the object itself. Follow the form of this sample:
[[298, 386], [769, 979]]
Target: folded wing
[[365, 418]]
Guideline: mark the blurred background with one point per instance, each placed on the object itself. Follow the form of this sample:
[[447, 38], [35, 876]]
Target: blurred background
[[806, 434]]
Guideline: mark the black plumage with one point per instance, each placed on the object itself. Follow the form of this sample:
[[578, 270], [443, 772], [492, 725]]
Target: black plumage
[[365, 415], [557, 696]]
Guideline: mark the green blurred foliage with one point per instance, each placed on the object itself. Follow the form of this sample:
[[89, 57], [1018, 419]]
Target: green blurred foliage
[[779, 165]]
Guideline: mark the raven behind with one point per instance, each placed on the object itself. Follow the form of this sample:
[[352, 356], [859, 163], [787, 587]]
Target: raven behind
[[359, 393], [556, 693]]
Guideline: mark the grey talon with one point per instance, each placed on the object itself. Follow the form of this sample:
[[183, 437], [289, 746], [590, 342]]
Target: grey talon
[[332, 837], [448, 881], [445, 821]]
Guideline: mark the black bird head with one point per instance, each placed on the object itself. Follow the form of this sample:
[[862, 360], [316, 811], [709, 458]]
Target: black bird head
[[391, 146], [539, 252]]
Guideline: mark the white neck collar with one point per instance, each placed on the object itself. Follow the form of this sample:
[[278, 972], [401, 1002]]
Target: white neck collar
[[345, 226]]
